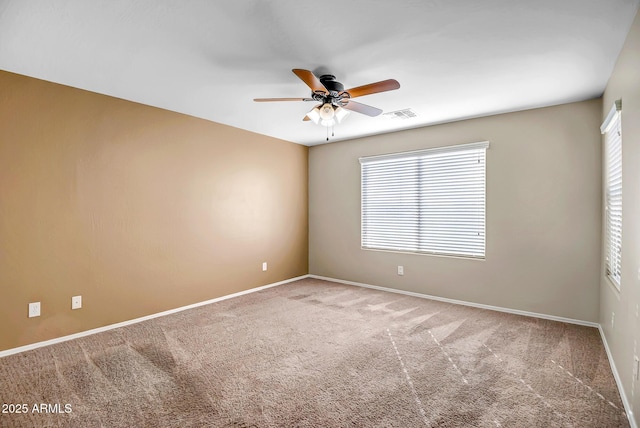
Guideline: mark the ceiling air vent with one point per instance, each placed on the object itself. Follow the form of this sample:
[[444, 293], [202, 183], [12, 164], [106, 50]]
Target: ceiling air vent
[[406, 113]]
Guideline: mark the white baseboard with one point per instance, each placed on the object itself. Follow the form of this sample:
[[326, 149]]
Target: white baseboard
[[462, 302], [623, 396], [137, 320]]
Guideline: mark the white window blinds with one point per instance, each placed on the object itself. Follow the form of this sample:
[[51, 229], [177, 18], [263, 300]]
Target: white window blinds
[[612, 129], [427, 201]]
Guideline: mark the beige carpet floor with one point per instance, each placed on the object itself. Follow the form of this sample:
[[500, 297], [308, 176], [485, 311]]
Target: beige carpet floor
[[319, 354]]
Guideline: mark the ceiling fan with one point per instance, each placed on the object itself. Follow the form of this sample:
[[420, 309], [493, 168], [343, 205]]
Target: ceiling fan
[[334, 99]]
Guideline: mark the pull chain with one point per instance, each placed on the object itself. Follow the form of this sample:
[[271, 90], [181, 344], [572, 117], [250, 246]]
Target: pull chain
[[332, 133]]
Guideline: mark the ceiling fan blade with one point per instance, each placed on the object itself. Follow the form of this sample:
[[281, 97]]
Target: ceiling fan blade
[[310, 79], [263, 100], [362, 108], [373, 88], [306, 118]]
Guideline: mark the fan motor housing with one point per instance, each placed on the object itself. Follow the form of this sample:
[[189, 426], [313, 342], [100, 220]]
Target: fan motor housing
[[333, 86]]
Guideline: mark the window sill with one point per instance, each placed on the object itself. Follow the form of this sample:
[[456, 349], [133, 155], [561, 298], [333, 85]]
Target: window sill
[[416, 253]]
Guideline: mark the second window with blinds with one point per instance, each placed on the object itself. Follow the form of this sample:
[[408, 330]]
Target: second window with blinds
[[612, 130], [428, 201]]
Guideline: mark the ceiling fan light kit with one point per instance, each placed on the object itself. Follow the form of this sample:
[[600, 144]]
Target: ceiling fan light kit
[[327, 115], [335, 101]]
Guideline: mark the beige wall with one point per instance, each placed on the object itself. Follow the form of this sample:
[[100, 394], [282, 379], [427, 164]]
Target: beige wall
[[137, 209], [543, 216], [624, 336]]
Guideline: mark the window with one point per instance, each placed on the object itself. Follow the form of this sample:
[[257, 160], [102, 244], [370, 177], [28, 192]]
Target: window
[[428, 201], [612, 130]]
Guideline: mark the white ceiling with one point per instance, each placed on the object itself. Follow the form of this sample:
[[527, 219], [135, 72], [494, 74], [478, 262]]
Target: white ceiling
[[454, 59]]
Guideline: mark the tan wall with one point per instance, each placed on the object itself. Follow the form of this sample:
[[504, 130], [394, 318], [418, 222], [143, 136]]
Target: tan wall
[[137, 209], [624, 336], [543, 216]]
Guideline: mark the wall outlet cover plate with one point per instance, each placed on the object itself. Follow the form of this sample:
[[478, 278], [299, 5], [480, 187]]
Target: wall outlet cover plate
[[76, 302], [34, 309]]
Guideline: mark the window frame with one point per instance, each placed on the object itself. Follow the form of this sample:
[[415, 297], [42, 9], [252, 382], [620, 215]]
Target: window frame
[[476, 248]]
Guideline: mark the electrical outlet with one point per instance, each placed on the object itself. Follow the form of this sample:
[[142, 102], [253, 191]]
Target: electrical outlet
[[76, 302], [34, 309], [264, 266], [400, 270], [613, 318]]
